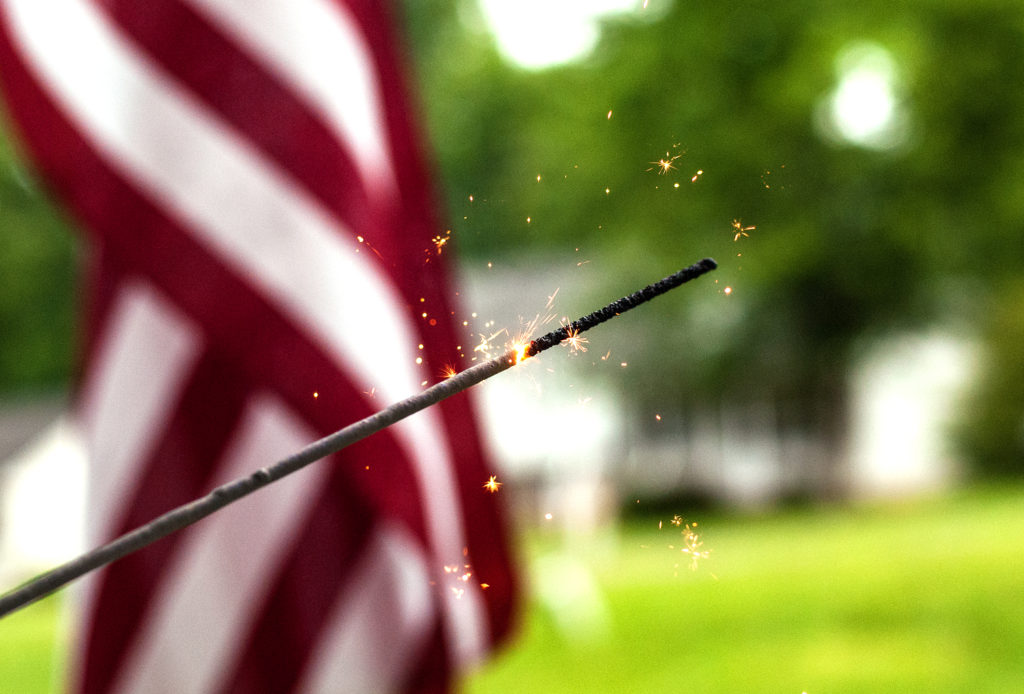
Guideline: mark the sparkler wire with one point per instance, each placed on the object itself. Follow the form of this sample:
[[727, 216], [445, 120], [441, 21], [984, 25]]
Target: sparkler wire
[[187, 514]]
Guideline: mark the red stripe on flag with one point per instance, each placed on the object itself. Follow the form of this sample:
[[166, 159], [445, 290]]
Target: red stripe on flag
[[284, 636], [252, 99], [178, 472], [260, 346]]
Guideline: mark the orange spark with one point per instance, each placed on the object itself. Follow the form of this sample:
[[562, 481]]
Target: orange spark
[[492, 485], [485, 342], [664, 165], [521, 350], [362, 240], [575, 341], [439, 241], [741, 230], [692, 546]]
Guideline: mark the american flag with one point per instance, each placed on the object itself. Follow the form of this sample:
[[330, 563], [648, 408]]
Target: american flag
[[260, 271]]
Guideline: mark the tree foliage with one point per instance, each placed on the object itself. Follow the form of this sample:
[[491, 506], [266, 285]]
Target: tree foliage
[[37, 284], [851, 242]]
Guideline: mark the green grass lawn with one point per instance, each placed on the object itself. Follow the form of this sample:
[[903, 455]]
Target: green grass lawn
[[916, 597], [30, 660], [912, 597]]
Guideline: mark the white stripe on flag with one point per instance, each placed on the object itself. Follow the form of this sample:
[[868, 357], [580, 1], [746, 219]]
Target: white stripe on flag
[[316, 46], [203, 610], [145, 350], [380, 624], [258, 222]]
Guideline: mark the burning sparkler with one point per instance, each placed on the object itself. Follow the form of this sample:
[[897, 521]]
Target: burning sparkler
[[192, 512]]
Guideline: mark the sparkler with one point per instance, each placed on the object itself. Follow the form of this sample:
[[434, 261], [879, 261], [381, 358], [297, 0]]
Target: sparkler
[[194, 511]]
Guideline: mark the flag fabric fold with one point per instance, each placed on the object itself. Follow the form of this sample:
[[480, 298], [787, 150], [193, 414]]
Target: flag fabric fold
[[260, 272]]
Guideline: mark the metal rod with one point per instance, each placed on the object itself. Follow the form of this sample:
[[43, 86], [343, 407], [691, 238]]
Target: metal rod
[[183, 516]]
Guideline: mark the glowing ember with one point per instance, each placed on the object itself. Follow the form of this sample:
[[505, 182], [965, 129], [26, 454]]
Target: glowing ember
[[485, 345], [741, 230], [522, 350], [575, 341], [665, 164], [362, 240], [692, 545], [700, 172], [439, 241], [460, 575], [492, 485]]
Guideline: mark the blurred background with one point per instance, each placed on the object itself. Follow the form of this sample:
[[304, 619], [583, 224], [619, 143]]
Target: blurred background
[[840, 405]]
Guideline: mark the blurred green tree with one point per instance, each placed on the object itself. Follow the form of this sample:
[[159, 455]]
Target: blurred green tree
[[37, 284], [852, 240]]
